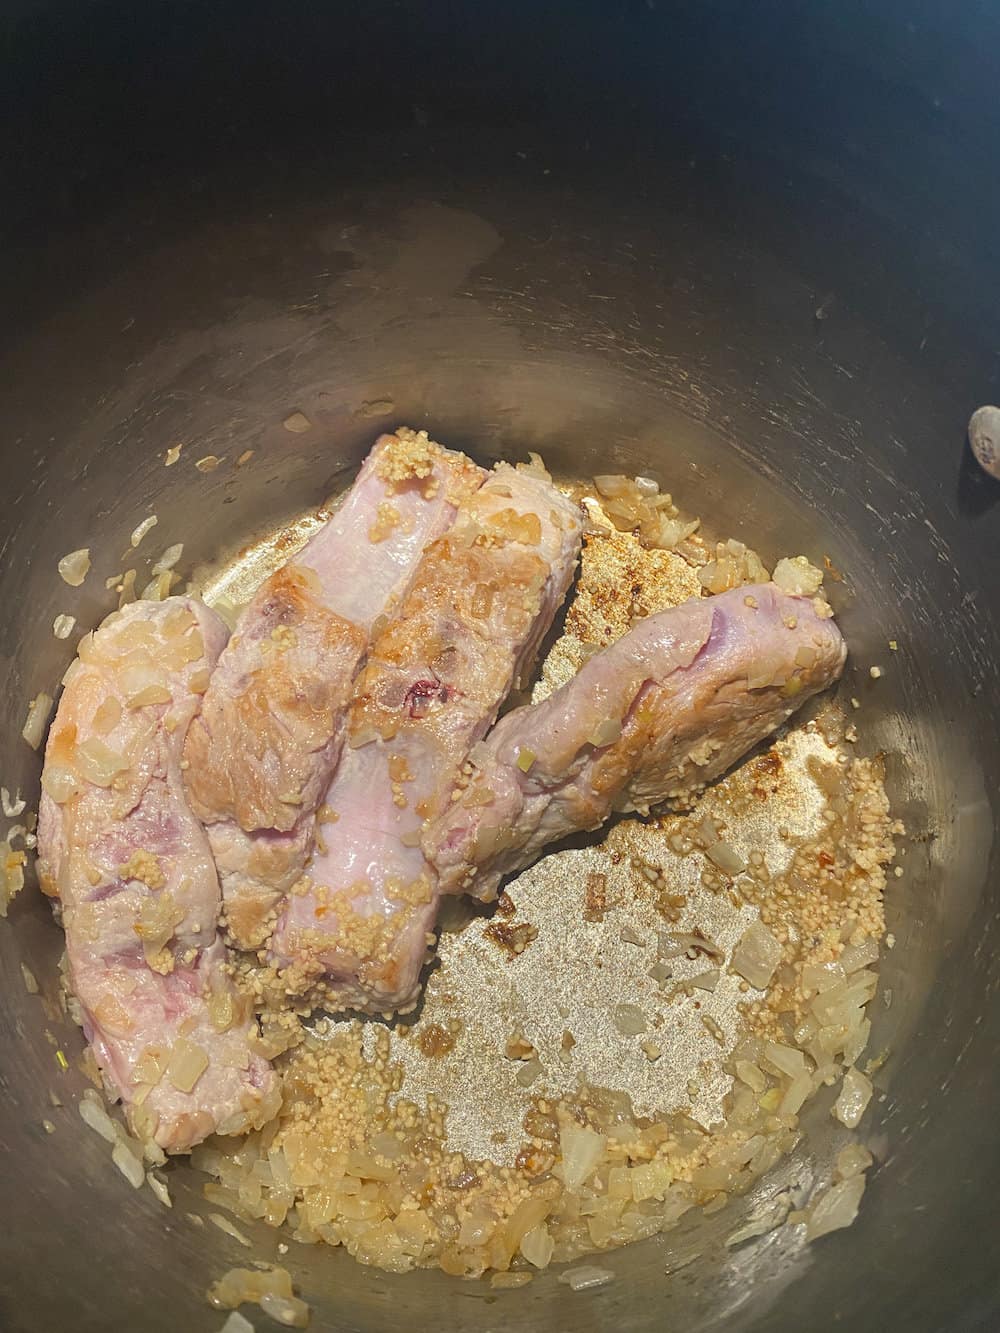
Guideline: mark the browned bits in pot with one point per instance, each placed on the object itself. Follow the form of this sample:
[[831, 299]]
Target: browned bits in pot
[[518, 1047], [512, 939], [670, 905], [435, 1040], [534, 1161], [595, 897]]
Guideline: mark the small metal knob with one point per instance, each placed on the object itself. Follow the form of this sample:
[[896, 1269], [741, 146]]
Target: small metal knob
[[984, 436]]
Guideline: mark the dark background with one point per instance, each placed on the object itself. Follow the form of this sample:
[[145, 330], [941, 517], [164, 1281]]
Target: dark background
[[884, 111]]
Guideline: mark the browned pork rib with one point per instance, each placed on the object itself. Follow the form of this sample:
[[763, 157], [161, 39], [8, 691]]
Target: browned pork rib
[[261, 753], [119, 846], [655, 716], [485, 594]]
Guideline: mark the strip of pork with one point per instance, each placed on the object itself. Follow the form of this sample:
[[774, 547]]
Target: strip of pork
[[121, 850], [654, 717], [486, 593], [261, 753]]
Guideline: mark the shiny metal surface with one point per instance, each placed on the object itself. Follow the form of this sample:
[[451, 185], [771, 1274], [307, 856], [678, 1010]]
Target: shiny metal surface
[[776, 297]]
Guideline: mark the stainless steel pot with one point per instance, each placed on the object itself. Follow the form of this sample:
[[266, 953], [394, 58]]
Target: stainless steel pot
[[748, 249]]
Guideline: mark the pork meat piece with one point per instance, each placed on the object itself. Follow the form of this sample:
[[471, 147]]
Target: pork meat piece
[[654, 717], [485, 594], [261, 752], [120, 848]]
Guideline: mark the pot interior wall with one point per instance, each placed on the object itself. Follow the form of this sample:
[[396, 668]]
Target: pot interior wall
[[746, 327]]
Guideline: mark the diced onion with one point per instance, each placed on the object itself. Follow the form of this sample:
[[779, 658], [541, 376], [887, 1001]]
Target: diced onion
[[224, 1224], [726, 858], [585, 1277], [60, 783], [11, 875], [221, 1011], [107, 716], [757, 955], [537, 1246], [855, 1094], [852, 1160], [159, 1188], [637, 505], [62, 626], [582, 1149], [629, 1019], [74, 568], [287, 1310], [187, 1063], [236, 1324], [820, 977], [182, 650], [751, 1075], [387, 1145], [158, 587], [142, 529], [35, 723], [127, 585], [178, 620], [734, 564], [535, 467], [92, 1113], [859, 955], [112, 1017], [797, 576], [770, 1217], [841, 1004], [365, 1167], [856, 1040], [785, 1059], [706, 981], [198, 683], [86, 651], [650, 1180], [670, 532], [605, 733], [150, 1065], [837, 1208], [614, 487], [144, 685], [127, 1163], [247, 1284], [11, 808], [528, 1214], [169, 558], [98, 763], [795, 1095], [529, 1072]]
